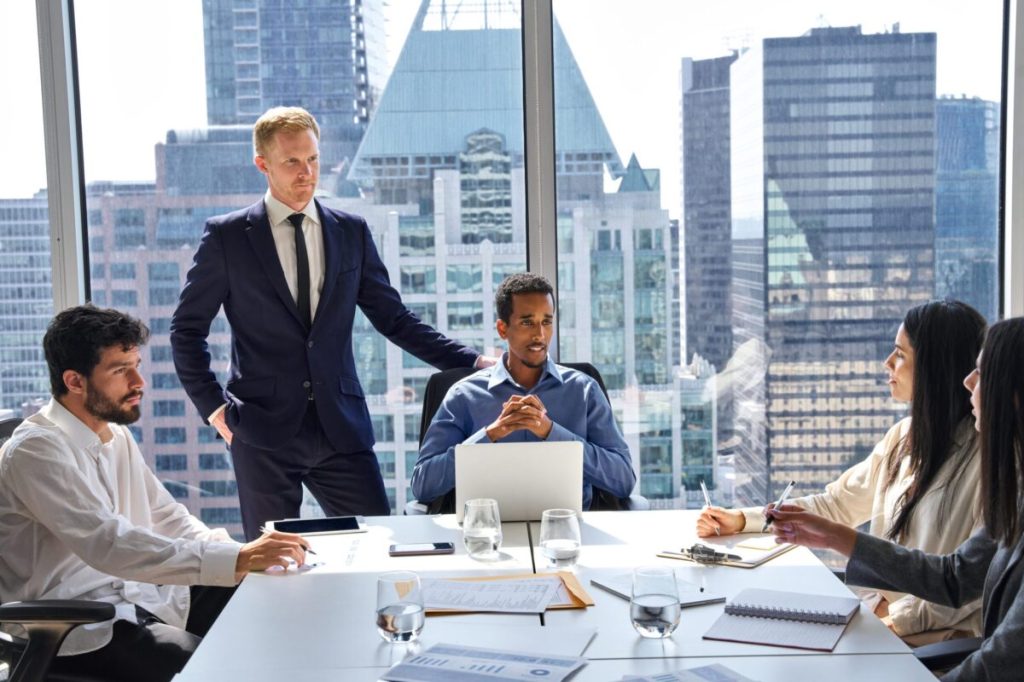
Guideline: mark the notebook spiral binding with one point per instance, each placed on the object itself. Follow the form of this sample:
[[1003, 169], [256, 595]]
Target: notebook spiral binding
[[779, 613]]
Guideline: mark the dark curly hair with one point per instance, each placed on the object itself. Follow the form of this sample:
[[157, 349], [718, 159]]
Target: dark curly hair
[[78, 336], [519, 283]]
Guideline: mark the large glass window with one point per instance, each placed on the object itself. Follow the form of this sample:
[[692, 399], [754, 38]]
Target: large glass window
[[26, 292], [421, 133], [745, 216]]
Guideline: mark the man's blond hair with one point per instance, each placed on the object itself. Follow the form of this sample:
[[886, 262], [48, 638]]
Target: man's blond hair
[[281, 119]]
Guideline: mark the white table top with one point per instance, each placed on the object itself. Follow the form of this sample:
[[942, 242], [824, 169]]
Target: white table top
[[874, 667], [319, 625], [614, 543]]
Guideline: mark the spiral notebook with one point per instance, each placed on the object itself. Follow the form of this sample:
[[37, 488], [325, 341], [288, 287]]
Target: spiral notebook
[[789, 619]]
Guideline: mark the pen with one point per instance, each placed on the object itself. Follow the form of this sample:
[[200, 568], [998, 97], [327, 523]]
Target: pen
[[707, 499], [782, 500], [264, 529]]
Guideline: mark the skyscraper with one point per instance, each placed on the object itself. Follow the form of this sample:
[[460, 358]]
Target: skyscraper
[[836, 158], [26, 299], [326, 57], [706, 208], [966, 186]]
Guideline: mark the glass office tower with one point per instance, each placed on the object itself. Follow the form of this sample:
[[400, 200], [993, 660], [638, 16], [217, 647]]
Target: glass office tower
[[838, 169], [966, 186], [325, 56]]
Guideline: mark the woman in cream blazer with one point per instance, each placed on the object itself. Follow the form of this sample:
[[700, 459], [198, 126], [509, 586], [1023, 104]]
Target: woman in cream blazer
[[924, 497]]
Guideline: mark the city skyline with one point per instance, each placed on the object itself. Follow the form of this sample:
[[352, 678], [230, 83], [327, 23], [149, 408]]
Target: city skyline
[[449, 223], [623, 82]]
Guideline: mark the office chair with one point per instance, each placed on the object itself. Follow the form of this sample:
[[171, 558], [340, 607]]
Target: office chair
[[7, 427], [48, 622], [948, 654], [433, 395]]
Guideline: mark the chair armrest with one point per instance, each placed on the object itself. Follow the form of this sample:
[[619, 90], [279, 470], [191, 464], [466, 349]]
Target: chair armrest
[[942, 655], [639, 503], [415, 508], [56, 611]]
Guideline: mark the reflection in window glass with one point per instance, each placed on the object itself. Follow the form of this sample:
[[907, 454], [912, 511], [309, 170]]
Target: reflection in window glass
[[744, 283]]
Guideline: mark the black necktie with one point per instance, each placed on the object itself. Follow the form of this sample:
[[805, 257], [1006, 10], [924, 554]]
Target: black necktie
[[302, 270]]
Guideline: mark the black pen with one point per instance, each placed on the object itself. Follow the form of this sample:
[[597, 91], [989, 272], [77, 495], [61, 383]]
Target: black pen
[[264, 529], [782, 500]]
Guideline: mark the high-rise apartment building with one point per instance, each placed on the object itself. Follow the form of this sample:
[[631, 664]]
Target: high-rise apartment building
[[325, 56], [966, 188], [833, 167]]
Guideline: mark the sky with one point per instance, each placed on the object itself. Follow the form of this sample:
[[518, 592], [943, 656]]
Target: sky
[[138, 84]]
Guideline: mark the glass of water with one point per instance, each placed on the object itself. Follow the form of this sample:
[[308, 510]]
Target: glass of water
[[481, 529], [560, 537], [400, 613], [654, 608]]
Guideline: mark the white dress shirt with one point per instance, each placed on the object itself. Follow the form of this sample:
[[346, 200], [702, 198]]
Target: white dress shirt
[[284, 240], [86, 519]]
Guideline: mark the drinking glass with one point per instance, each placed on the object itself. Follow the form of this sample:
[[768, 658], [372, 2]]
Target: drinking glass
[[481, 529], [654, 609], [400, 613], [560, 537]]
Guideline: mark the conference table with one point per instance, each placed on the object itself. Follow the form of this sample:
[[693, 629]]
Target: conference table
[[317, 623]]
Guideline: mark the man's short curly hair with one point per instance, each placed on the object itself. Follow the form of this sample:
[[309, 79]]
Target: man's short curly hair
[[78, 336], [519, 283]]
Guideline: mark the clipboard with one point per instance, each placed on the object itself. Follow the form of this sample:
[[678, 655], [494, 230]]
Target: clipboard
[[750, 552], [573, 594]]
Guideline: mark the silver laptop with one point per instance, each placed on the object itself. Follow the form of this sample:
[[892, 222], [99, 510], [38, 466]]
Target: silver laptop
[[525, 478]]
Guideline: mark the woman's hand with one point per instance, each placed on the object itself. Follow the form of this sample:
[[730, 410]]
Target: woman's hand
[[793, 524], [724, 521]]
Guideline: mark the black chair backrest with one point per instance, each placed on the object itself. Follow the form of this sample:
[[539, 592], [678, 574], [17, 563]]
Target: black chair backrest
[[7, 427], [437, 388]]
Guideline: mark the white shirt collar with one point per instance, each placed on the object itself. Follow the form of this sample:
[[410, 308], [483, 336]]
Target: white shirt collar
[[73, 427], [278, 211]]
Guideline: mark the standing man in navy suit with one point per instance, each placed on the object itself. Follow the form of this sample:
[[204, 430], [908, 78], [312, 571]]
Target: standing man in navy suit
[[289, 273]]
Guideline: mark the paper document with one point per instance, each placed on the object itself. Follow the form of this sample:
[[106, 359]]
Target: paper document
[[499, 596], [621, 585], [445, 662], [705, 673]]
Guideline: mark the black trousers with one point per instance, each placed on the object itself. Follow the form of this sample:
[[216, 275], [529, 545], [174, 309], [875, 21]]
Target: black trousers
[[150, 650], [270, 481]]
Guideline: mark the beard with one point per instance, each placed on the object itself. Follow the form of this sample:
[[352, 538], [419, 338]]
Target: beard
[[103, 407]]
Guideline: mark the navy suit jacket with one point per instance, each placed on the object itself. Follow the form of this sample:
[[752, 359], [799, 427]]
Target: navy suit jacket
[[275, 360]]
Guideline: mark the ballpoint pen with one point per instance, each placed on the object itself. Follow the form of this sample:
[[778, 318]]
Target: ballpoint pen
[[264, 529], [707, 499], [782, 500]]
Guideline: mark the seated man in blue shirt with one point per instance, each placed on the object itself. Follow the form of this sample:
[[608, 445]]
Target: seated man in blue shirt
[[525, 397]]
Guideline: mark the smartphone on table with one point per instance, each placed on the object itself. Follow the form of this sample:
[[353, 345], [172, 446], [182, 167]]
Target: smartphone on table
[[420, 548]]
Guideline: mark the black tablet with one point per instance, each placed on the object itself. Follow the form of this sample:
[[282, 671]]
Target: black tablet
[[325, 526]]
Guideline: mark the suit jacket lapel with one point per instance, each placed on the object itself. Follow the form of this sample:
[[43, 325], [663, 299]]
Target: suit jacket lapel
[[335, 252], [262, 240]]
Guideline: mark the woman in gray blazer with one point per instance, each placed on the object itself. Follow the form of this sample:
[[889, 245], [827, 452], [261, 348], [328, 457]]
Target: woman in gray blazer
[[989, 564]]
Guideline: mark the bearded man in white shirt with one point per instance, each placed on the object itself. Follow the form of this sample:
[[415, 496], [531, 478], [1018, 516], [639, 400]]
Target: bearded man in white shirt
[[83, 517]]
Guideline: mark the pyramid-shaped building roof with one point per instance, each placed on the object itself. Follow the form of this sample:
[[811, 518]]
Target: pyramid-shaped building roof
[[448, 83]]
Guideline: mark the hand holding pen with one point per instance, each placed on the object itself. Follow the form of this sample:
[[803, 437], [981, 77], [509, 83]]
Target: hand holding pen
[[273, 548], [782, 500], [707, 501]]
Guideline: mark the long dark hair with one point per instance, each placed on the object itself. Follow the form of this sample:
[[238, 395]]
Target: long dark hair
[[1001, 425], [946, 337]]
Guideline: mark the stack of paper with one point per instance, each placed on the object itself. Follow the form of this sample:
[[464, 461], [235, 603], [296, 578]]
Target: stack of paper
[[469, 664]]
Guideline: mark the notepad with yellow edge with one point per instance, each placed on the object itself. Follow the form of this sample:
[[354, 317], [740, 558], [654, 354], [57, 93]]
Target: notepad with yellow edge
[[788, 619]]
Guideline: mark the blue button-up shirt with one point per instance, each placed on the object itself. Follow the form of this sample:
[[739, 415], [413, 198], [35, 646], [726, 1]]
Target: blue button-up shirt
[[575, 404]]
